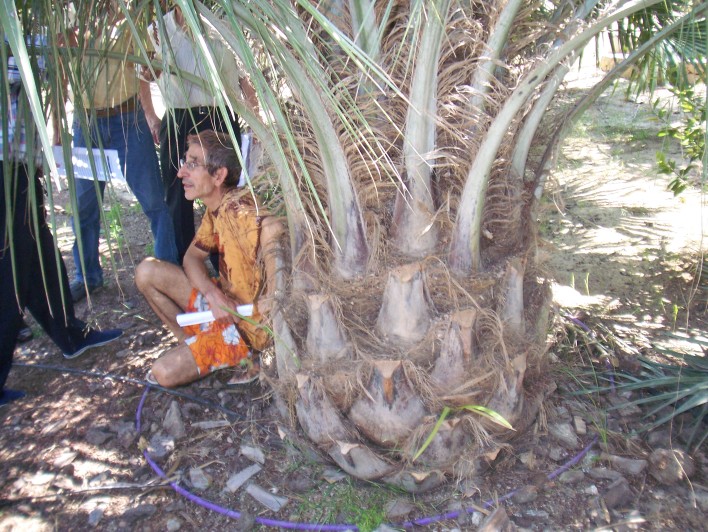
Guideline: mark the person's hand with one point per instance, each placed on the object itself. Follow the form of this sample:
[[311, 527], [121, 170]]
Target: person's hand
[[219, 302], [154, 124]]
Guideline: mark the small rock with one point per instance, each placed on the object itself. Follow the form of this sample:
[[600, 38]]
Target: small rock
[[332, 475], [658, 437], [580, 427], [97, 436], [299, 483], [623, 406], [41, 477], [99, 479], [628, 466], [124, 353], [557, 454], [199, 479], [127, 437], [561, 413], [618, 494], [147, 338], [160, 446], [591, 490], [254, 454], [602, 473], [119, 426], [572, 477], [173, 524], [525, 495], [133, 515], [64, 459], [173, 423], [240, 478], [175, 506], [95, 517], [66, 483], [671, 466], [398, 509], [267, 499], [564, 433], [498, 521], [477, 518], [529, 460]]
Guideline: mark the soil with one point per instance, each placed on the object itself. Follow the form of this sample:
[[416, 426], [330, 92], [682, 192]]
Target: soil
[[624, 254]]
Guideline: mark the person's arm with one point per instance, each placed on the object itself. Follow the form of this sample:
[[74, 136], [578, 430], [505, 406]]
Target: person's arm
[[145, 96], [249, 94], [196, 270], [271, 232]]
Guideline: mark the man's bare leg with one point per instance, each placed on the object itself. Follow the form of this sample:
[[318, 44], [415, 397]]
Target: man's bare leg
[[176, 367], [166, 289]]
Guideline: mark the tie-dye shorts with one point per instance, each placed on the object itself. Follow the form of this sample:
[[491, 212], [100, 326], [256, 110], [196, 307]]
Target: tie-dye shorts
[[216, 344]]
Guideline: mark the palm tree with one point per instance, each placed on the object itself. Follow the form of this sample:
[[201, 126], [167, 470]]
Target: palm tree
[[405, 143]]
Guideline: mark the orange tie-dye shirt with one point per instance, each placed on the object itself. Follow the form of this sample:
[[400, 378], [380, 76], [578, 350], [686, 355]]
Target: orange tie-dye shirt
[[233, 230]]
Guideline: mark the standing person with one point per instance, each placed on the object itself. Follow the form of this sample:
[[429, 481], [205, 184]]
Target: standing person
[[189, 108], [32, 272], [245, 239], [115, 111]]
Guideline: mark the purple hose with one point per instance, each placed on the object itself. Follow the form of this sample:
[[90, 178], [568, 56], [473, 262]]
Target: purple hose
[[220, 509], [316, 526]]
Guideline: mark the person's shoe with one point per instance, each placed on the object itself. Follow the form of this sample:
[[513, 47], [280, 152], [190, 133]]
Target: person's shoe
[[94, 338], [25, 335], [78, 290], [7, 396], [245, 373]]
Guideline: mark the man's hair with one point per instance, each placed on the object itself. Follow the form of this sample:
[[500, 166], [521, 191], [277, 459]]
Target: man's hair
[[219, 152]]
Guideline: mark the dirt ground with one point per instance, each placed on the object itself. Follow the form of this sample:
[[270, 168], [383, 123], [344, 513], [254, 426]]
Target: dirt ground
[[623, 252]]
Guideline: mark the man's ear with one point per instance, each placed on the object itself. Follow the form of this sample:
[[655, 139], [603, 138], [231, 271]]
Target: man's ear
[[220, 176]]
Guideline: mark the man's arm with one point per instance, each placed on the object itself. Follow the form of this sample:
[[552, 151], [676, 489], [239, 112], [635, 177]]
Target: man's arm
[[145, 96], [271, 232], [249, 94], [198, 275]]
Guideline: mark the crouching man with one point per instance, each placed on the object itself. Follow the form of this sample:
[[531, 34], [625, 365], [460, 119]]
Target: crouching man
[[245, 238]]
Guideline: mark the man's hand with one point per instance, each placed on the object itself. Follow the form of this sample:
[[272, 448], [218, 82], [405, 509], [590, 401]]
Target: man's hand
[[153, 121], [154, 124], [219, 302]]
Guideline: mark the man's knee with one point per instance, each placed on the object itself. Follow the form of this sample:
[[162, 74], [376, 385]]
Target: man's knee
[[175, 368], [161, 372], [145, 273]]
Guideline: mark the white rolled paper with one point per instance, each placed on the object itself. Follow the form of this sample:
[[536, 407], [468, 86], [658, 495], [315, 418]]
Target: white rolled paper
[[197, 318]]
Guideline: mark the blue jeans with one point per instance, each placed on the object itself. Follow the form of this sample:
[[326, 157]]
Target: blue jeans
[[129, 134]]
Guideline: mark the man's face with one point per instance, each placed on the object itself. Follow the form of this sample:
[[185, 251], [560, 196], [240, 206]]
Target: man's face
[[198, 183]]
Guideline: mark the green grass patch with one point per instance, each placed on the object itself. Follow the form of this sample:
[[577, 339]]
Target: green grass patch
[[345, 502]]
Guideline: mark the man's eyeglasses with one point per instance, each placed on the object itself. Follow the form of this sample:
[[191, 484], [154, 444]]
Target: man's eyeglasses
[[190, 165]]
